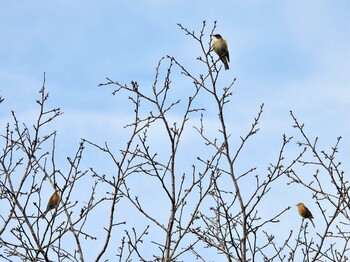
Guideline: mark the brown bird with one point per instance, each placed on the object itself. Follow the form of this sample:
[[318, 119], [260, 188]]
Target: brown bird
[[53, 203], [221, 49], [305, 212]]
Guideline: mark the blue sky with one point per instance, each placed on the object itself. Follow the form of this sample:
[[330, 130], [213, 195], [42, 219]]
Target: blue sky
[[290, 55]]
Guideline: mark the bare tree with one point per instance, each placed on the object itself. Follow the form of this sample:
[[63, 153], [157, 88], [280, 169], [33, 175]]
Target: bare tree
[[28, 168], [330, 190], [189, 202]]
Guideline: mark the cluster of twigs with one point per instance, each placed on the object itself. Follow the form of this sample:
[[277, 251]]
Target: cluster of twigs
[[199, 209]]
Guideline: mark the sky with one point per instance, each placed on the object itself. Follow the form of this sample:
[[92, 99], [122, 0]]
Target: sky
[[289, 55]]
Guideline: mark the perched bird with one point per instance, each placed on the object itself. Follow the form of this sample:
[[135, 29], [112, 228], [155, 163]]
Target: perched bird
[[53, 203], [221, 49], [305, 212]]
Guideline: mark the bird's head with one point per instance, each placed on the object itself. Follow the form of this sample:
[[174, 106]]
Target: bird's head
[[217, 36]]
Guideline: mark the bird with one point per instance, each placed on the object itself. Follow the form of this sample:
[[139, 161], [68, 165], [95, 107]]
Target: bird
[[221, 49], [305, 212], [53, 202]]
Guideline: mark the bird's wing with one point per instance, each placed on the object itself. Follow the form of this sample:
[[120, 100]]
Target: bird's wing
[[308, 213], [224, 42]]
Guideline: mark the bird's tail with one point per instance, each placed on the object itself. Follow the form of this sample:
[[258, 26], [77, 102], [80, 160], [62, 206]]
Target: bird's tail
[[224, 60], [226, 66], [312, 222]]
